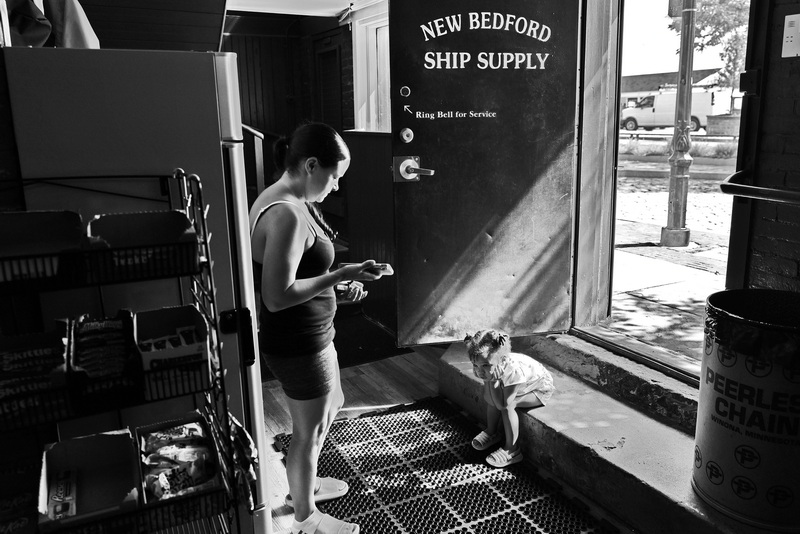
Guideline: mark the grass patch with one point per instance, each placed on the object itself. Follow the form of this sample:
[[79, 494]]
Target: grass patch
[[651, 147], [644, 147]]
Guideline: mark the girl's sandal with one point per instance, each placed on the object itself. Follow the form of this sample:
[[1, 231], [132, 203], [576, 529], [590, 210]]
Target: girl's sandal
[[325, 489], [319, 523], [483, 440], [503, 458]]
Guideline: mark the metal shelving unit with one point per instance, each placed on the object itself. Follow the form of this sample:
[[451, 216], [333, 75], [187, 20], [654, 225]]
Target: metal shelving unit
[[203, 511]]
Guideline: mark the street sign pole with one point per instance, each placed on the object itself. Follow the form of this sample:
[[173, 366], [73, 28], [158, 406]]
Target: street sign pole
[[675, 234]]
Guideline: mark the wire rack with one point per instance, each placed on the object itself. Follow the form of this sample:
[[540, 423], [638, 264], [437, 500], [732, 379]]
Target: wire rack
[[212, 511]]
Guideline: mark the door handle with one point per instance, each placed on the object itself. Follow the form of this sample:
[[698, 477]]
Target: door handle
[[407, 169], [410, 169]]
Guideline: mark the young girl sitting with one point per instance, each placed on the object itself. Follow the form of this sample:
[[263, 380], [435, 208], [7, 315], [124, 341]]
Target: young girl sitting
[[510, 381]]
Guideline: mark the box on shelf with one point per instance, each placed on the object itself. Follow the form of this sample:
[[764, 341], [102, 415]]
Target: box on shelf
[[90, 479], [171, 336], [33, 378], [36, 245], [103, 362], [174, 347], [144, 244], [182, 472], [19, 525], [19, 490]]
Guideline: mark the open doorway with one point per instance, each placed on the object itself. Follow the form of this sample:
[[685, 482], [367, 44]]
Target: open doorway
[[667, 313], [659, 292]]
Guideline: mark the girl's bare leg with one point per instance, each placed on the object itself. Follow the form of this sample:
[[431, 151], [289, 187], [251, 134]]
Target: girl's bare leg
[[492, 412], [511, 419]]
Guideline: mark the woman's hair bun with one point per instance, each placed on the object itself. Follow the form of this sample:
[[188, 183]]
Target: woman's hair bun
[[279, 150]]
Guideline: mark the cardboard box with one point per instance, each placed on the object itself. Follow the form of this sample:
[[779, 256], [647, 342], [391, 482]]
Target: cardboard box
[[144, 245], [142, 229], [171, 336], [103, 362], [41, 355], [89, 479], [33, 379], [32, 243], [173, 344], [18, 525], [19, 490]]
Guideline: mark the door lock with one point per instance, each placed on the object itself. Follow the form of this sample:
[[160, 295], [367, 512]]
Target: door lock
[[407, 169]]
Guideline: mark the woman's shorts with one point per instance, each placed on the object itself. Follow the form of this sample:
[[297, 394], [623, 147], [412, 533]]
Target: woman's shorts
[[305, 377]]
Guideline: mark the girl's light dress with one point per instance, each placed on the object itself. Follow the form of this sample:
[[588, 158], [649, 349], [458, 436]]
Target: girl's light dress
[[522, 369]]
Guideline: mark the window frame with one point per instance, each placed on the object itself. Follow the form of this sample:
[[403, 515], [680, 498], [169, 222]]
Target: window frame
[[366, 24]]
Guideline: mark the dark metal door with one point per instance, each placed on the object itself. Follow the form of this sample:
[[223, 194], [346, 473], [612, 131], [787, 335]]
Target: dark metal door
[[485, 95]]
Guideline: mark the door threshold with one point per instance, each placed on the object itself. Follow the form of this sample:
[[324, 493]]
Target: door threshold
[[669, 362]]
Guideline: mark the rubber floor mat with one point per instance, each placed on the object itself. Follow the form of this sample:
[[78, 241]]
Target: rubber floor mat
[[412, 470]]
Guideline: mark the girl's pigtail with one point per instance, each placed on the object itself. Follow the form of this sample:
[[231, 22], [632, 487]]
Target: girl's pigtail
[[496, 338]]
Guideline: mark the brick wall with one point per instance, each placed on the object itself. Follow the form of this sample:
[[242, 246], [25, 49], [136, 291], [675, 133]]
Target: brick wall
[[773, 256]]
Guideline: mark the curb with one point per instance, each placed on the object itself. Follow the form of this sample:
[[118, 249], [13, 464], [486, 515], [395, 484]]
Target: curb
[[726, 163], [633, 172], [658, 167]]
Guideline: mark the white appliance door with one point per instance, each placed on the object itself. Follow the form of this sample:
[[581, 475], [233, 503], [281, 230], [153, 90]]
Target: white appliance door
[[246, 316]]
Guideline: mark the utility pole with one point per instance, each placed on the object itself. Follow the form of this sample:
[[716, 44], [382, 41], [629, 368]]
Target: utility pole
[[675, 234]]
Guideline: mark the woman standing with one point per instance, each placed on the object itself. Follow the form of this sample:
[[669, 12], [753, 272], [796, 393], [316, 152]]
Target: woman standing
[[293, 253]]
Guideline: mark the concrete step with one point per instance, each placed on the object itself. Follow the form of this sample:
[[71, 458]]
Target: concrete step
[[632, 465]]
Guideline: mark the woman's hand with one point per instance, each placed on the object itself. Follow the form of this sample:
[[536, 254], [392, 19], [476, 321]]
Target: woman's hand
[[351, 291], [365, 271]]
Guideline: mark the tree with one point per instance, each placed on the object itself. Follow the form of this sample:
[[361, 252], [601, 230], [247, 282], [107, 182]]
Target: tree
[[722, 23]]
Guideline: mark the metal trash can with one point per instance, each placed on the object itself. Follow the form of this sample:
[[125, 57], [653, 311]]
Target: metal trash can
[[747, 439]]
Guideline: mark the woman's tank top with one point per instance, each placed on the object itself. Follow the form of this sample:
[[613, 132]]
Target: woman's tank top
[[307, 327]]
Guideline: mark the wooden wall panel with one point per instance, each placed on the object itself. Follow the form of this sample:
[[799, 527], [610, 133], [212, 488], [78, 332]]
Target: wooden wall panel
[[279, 82], [263, 88]]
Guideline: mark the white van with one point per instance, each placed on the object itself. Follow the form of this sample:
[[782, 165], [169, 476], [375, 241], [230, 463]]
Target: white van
[[658, 110]]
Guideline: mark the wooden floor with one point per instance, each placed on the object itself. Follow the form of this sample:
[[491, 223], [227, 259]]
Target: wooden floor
[[368, 387]]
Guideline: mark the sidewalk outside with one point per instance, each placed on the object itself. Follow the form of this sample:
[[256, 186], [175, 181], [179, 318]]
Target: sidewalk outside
[[659, 293]]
